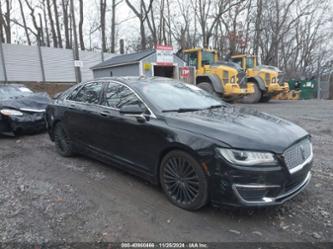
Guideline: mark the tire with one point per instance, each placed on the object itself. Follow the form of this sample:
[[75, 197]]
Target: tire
[[265, 99], [253, 98], [207, 87], [183, 180], [62, 141]]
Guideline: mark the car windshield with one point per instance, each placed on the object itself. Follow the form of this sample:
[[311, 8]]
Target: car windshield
[[179, 97], [8, 92]]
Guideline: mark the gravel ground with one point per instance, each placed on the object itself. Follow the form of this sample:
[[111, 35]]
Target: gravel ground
[[47, 198]]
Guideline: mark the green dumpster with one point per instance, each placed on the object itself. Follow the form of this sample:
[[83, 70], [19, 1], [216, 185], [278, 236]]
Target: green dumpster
[[307, 88]]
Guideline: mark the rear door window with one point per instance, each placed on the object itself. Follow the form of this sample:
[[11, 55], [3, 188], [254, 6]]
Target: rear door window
[[118, 95], [89, 93]]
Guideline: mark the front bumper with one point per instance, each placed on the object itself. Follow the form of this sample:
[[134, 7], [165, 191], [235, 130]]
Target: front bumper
[[256, 188], [264, 200], [28, 123], [235, 90], [276, 88]]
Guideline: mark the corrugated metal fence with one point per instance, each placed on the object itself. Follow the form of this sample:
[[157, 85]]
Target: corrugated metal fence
[[23, 64]]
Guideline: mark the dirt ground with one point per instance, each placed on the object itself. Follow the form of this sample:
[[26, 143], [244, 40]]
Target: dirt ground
[[44, 197], [51, 88]]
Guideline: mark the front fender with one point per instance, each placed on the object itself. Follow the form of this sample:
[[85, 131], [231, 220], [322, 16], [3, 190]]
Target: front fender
[[213, 79], [260, 82]]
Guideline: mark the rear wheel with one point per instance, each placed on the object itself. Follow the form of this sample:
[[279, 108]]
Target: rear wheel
[[62, 141], [265, 99], [253, 98], [183, 180]]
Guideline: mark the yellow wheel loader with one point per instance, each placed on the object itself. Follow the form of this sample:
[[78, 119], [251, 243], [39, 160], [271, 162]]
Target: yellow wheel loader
[[266, 79], [219, 78]]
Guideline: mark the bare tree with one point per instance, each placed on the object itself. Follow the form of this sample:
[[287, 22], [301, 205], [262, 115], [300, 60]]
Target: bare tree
[[5, 22], [47, 35], [142, 14], [64, 4], [184, 28], [57, 23], [53, 32], [81, 26], [209, 13], [24, 23]]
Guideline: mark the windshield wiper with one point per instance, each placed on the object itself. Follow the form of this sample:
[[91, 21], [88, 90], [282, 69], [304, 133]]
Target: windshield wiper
[[214, 106], [183, 110], [193, 109]]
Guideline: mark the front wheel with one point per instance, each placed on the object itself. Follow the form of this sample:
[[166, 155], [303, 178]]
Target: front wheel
[[265, 99], [254, 97], [183, 180], [207, 87], [62, 141]]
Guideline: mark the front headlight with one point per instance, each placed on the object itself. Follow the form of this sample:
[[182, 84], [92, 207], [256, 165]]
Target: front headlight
[[247, 158], [10, 112]]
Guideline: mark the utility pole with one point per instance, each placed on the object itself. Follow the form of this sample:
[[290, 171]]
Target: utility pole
[[3, 62], [40, 54], [318, 81], [75, 46]]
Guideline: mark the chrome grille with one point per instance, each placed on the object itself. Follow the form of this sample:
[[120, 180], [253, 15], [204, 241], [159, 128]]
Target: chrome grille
[[297, 154]]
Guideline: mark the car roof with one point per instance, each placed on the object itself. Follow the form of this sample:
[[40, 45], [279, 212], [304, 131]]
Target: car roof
[[132, 80]]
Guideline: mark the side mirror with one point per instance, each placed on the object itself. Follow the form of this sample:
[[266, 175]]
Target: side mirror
[[131, 109], [134, 111]]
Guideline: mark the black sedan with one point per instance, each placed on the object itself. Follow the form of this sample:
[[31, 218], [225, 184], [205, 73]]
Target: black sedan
[[21, 110], [198, 148]]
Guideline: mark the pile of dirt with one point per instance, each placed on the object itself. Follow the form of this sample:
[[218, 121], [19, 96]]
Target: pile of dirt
[[50, 88]]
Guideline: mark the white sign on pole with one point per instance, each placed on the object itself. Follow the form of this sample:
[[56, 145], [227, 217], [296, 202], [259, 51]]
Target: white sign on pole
[[78, 63], [164, 54]]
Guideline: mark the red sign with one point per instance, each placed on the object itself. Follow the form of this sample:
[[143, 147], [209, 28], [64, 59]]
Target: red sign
[[164, 54], [163, 47], [184, 72]]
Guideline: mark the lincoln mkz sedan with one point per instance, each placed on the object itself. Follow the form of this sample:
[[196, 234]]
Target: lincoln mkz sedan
[[196, 147]]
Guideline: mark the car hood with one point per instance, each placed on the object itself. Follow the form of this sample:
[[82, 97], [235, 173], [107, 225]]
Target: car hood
[[241, 128], [35, 101]]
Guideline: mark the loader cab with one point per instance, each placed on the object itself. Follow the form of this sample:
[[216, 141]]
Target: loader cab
[[198, 58], [245, 61]]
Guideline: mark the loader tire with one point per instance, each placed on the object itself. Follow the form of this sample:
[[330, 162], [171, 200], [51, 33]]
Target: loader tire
[[265, 99], [253, 98], [207, 87]]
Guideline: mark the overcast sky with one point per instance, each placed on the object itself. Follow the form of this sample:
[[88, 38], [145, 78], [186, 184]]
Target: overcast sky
[[127, 28]]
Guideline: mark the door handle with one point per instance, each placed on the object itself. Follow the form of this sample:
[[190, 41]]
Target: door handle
[[71, 106], [105, 113]]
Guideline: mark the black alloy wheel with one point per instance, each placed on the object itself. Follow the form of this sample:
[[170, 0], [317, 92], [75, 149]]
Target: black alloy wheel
[[62, 141], [183, 180]]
